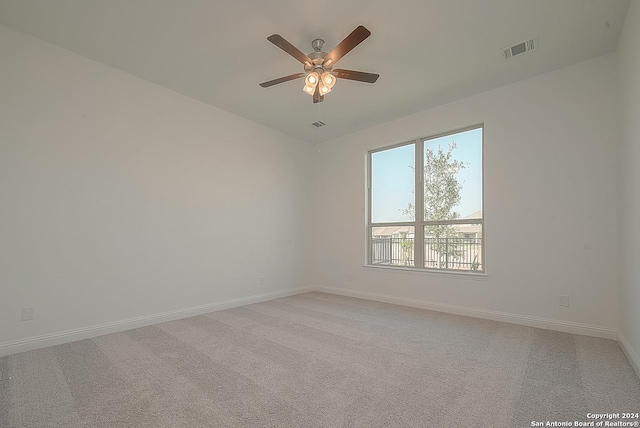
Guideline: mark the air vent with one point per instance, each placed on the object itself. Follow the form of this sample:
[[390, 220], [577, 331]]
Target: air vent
[[318, 124], [520, 48]]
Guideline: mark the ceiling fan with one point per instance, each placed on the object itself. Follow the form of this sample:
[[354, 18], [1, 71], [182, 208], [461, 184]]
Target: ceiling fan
[[319, 74]]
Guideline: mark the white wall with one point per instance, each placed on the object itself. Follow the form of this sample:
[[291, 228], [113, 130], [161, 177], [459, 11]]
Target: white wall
[[629, 56], [119, 198], [550, 200]]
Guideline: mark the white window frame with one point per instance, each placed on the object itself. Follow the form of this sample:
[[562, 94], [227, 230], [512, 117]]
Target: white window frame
[[420, 223]]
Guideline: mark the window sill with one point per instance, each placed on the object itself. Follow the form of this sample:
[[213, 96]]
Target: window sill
[[479, 276]]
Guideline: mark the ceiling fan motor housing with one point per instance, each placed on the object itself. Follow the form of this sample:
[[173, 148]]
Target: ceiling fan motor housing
[[317, 62]]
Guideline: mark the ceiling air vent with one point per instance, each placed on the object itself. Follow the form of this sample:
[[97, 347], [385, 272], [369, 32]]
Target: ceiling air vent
[[520, 48], [318, 124]]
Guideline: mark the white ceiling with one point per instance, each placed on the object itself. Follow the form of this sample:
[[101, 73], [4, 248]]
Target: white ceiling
[[428, 52]]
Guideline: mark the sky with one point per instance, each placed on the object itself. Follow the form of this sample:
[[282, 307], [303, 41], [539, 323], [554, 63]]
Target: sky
[[392, 176]]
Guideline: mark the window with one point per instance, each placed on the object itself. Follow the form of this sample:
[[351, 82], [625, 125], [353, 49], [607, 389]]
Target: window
[[425, 203]]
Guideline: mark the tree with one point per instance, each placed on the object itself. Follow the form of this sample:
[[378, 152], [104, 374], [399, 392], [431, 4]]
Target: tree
[[407, 248], [441, 195]]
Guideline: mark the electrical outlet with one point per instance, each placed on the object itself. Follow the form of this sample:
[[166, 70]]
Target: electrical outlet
[[27, 314], [564, 301], [261, 280]]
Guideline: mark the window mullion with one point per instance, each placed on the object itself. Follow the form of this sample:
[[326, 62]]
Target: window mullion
[[369, 214], [418, 247]]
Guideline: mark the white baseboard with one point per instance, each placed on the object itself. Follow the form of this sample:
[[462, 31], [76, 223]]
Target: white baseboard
[[52, 339], [549, 324], [36, 342], [630, 353]]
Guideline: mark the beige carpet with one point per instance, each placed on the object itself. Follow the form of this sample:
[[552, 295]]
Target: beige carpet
[[319, 360]]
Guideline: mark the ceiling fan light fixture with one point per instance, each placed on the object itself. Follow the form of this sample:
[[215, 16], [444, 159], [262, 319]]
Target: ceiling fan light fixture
[[309, 89], [312, 79], [328, 79], [324, 89]]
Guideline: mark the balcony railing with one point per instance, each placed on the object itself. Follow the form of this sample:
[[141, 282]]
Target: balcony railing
[[392, 251], [439, 253]]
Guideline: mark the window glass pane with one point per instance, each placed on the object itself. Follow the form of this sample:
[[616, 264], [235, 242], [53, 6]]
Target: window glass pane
[[453, 176], [393, 184], [392, 245], [451, 246]]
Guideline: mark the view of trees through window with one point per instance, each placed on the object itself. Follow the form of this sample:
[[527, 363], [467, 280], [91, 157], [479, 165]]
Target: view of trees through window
[[438, 194]]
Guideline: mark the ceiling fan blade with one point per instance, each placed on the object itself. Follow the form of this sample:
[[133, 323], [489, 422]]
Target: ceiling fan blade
[[316, 95], [360, 76], [280, 42], [281, 80], [356, 37]]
